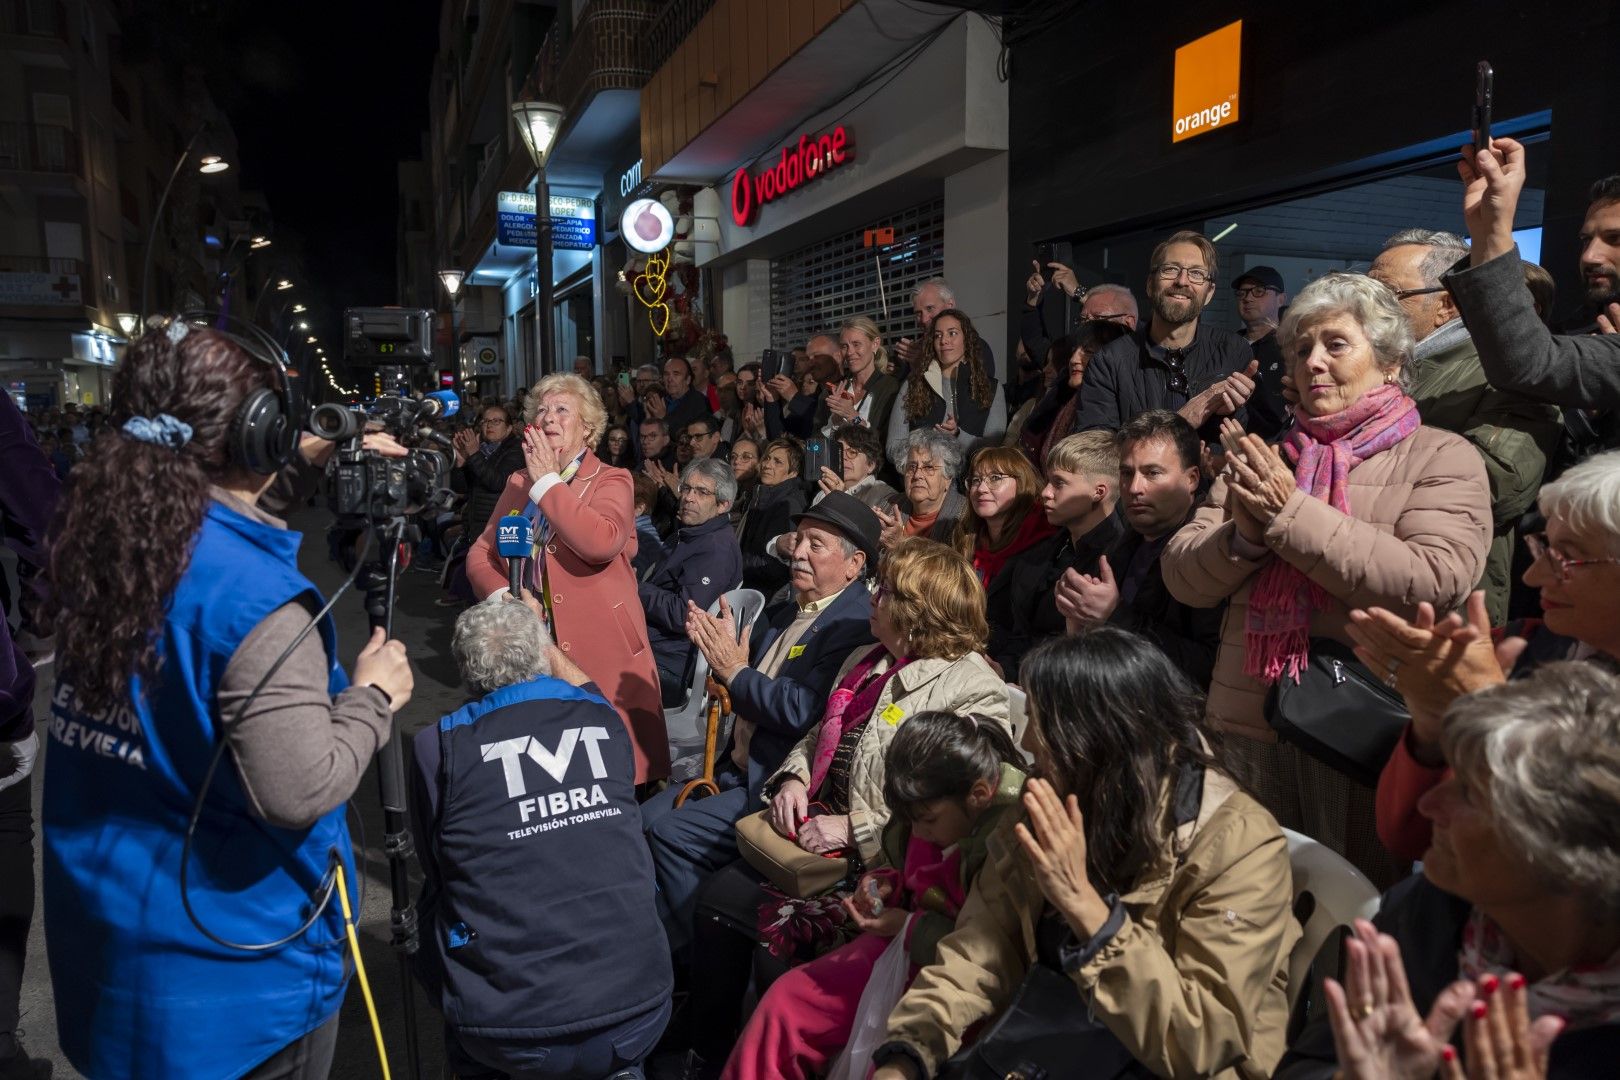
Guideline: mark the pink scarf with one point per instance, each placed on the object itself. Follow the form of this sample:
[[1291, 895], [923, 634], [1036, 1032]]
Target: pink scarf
[[1324, 449], [1583, 996], [850, 704]]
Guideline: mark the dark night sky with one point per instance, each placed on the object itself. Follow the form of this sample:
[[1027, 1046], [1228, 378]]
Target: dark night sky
[[325, 99]]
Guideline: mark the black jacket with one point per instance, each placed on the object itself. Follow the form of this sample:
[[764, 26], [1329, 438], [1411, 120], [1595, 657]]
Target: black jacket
[[1428, 924], [1125, 379], [28, 494], [785, 707], [1189, 636], [1023, 595], [771, 514], [704, 563], [1268, 412], [486, 476]]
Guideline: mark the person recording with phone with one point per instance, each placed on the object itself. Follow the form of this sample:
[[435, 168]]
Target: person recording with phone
[[194, 930]]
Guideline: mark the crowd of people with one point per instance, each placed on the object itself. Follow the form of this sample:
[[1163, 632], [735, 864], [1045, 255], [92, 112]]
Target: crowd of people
[[1055, 662]]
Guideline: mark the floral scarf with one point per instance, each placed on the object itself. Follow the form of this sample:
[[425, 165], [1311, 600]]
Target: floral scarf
[[1324, 449], [1584, 996]]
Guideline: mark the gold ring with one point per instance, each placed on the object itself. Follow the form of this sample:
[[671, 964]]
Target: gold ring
[[1364, 1010], [1389, 680]]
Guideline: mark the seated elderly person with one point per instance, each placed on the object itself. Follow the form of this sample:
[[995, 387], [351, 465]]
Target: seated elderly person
[[928, 618], [704, 563], [930, 506], [514, 798], [1361, 506], [779, 681], [1512, 930], [1576, 569], [862, 455]]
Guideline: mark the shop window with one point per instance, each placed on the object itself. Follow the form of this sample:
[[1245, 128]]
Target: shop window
[[819, 286]]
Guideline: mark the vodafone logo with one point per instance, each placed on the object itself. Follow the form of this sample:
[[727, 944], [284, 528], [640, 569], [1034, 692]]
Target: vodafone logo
[[813, 156]]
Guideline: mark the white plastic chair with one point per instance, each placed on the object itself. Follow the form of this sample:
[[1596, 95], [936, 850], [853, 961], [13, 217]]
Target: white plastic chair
[[684, 724], [1339, 894]]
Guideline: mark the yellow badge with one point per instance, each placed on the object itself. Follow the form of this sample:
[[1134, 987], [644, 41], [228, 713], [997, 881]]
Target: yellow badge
[[893, 714], [795, 652]]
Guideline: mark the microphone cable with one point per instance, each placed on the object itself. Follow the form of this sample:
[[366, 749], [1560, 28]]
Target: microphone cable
[[329, 880]]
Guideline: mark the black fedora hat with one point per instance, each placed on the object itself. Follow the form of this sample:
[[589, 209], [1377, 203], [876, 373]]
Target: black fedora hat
[[849, 516]]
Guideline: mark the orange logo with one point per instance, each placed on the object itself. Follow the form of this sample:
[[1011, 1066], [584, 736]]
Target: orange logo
[[1206, 92]]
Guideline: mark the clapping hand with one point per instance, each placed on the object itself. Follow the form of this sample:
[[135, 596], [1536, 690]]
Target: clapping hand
[[716, 638], [1084, 598], [466, 444], [1233, 391], [1432, 662], [1260, 481], [539, 459], [1608, 320], [844, 405], [909, 351], [1500, 1040], [1054, 843], [654, 406], [1377, 1031], [669, 478]]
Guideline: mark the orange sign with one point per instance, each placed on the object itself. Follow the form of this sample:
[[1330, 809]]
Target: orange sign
[[1206, 93]]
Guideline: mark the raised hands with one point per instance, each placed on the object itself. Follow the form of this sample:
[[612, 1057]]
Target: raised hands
[[1492, 179], [539, 459], [1259, 481], [1500, 1040], [1054, 843], [892, 524], [1083, 598], [716, 637]]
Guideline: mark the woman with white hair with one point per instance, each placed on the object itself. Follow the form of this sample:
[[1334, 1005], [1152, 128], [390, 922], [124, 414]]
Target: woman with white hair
[[929, 506], [1361, 505], [580, 581], [1503, 955]]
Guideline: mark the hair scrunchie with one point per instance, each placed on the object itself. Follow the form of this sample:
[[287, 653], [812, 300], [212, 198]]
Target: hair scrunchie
[[163, 430]]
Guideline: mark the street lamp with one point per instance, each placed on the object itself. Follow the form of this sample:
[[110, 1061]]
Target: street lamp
[[127, 322], [451, 280], [299, 309], [302, 325], [259, 243], [208, 163], [538, 123], [283, 285]]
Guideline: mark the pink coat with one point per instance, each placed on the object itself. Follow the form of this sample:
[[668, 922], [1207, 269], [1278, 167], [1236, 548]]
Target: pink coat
[[597, 611]]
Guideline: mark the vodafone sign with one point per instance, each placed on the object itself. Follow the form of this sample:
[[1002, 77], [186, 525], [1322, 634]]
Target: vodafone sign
[[814, 156]]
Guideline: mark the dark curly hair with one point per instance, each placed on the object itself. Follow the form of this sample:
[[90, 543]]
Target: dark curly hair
[[917, 389], [111, 585]]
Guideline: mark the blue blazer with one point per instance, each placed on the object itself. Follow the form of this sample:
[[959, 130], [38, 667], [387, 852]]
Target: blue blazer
[[784, 708]]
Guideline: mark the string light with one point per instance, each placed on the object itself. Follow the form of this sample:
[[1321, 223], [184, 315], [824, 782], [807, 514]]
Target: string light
[[655, 282], [333, 380]]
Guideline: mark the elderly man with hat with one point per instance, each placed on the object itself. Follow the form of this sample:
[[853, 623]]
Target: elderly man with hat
[[1260, 296], [779, 681]]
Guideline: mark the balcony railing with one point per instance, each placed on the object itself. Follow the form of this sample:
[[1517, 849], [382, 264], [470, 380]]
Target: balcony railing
[[39, 148], [606, 49], [674, 21]]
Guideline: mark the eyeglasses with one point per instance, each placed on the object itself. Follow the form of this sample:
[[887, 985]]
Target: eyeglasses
[[917, 468], [1170, 271], [688, 489], [1176, 361], [1402, 294], [1539, 547], [494, 421], [687, 436], [1245, 292], [986, 480]]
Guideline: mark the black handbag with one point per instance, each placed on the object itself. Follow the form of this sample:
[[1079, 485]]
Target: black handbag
[[1047, 1032], [1339, 713]]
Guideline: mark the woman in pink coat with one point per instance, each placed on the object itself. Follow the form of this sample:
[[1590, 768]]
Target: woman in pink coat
[[585, 537]]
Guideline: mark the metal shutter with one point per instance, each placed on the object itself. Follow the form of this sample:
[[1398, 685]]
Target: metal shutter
[[816, 288]]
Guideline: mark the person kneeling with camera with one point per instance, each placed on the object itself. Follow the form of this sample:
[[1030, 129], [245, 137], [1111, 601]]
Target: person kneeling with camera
[[547, 958]]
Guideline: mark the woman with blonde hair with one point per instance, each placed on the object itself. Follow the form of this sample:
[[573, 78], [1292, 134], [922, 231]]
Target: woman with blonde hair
[[580, 581], [866, 394]]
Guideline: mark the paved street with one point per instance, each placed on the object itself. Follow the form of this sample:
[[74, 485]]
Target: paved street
[[426, 632]]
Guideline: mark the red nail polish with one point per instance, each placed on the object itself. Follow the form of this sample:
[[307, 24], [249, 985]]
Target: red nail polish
[[1478, 1010], [1488, 985], [1516, 981], [1448, 1053]]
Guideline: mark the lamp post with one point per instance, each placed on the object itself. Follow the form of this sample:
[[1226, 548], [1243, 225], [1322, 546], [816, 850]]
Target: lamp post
[[538, 123], [208, 164], [451, 280]]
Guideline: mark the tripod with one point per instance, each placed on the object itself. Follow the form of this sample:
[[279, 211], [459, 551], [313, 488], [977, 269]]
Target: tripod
[[379, 578]]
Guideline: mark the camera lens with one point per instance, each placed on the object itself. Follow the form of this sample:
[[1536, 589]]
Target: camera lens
[[335, 422]]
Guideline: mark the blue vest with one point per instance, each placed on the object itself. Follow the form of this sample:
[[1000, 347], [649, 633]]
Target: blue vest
[[140, 992], [539, 914]]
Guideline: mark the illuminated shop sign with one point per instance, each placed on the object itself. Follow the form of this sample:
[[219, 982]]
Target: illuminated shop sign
[[814, 156], [1206, 89]]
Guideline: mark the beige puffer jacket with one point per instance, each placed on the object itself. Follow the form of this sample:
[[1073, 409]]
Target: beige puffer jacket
[[1419, 529], [966, 684]]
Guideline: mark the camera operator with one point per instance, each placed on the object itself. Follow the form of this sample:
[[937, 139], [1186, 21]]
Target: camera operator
[[174, 593], [541, 939]]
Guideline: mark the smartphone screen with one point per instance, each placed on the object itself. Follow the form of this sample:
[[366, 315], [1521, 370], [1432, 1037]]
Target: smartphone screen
[[1484, 90], [624, 378]]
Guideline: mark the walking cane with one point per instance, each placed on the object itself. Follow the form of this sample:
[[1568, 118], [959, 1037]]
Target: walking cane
[[719, 705]]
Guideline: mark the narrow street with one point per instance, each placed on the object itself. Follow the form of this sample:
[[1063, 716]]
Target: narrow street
[[426, 631]]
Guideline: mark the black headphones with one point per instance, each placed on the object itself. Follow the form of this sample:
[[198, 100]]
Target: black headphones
[[264, 435]]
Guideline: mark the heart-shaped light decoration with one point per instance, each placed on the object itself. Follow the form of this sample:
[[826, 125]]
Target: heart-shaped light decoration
[[659, 327], [650, 288]]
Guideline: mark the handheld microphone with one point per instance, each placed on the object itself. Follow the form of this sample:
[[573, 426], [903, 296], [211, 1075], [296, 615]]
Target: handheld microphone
[[449, 402], [514, 538]]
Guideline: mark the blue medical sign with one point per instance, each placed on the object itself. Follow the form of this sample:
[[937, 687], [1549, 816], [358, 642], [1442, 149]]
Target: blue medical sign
[[573, 221]]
